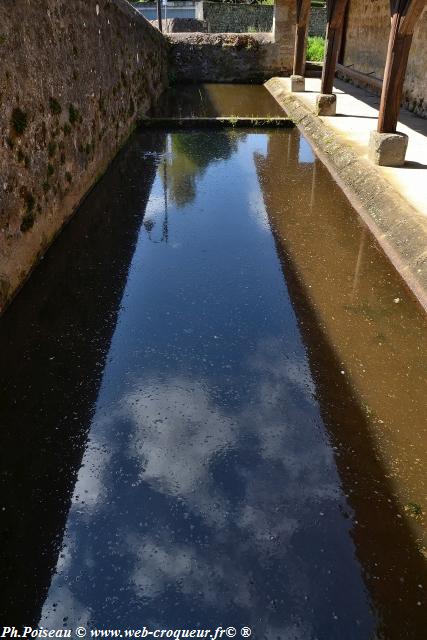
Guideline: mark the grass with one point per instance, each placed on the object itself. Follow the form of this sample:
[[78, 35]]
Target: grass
[[315, 48]]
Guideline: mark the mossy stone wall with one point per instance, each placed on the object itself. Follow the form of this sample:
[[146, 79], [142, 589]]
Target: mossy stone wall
[[74, 78]]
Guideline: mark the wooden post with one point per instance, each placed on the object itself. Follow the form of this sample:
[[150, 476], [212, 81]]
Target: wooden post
[[159, 15], [336, 13], [302, 16], [404, 15]]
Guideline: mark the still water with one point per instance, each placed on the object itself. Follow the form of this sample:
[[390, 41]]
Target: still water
[[213, 406]]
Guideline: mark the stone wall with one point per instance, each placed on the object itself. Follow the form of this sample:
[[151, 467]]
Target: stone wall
[[366, 47], [181, 25], [244, 18], [238, 57], [318, 19], [235, 18], [74, 78]]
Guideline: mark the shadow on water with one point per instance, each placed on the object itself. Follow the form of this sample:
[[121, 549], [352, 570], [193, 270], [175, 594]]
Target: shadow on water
[[53, 343], [180, 447]]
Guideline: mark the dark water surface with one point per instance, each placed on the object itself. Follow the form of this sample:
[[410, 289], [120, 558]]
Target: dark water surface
[[192, 385], [211, 100]]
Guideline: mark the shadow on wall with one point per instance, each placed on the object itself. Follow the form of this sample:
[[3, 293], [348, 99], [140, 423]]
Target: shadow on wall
[[42, 444]]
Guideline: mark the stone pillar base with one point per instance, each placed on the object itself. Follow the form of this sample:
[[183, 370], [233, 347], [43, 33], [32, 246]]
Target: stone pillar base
[[388, 149], [326, 104], [297, 83]]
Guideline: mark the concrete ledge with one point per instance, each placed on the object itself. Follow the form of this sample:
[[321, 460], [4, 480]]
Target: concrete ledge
[[224, 121], [398, 228]]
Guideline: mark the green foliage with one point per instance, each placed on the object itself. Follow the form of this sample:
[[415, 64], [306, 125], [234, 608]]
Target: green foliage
[[27, 222], [19, 121], [29, 201], [28, 218], [414, 510], [315, 48], [51, 148], [55, 107], [73, 114]]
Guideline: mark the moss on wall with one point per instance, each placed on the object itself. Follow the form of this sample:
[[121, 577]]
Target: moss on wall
[[75, 77]]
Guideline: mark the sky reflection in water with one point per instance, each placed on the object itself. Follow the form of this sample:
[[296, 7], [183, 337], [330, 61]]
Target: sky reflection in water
[[208, 493]]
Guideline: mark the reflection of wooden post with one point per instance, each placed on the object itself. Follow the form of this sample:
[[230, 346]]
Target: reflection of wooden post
[[336, 13], [404, 15], [302, 16], [362, 244], [313, 185]]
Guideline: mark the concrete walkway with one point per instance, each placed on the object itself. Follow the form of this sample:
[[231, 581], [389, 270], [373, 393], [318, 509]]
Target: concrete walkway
[[357, 113]]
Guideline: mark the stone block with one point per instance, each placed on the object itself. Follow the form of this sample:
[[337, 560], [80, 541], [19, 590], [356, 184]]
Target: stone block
[[297, 83], [388, 149], [326, 104]]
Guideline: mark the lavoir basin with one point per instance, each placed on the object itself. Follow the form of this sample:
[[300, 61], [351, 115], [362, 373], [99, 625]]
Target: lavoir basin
[[213, 406]]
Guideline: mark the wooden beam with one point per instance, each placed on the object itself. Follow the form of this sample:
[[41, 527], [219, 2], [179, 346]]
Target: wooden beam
[[302, 17], [404, 16], [336, 13]]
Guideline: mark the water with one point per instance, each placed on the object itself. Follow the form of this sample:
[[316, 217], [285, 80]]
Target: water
[[213, 406], [216, 100]]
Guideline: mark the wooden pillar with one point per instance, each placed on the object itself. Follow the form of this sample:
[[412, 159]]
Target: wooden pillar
[[404, 15], [336, 13], [159, 15], [302, 17]]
